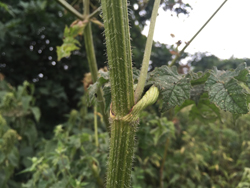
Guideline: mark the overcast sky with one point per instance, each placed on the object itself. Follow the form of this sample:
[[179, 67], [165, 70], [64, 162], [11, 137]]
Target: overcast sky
[[227, 34]]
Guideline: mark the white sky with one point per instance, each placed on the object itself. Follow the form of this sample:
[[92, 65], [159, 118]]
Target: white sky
[[226, 35]]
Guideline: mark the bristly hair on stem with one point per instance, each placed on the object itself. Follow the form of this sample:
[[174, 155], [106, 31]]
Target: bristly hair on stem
[[116, 24]]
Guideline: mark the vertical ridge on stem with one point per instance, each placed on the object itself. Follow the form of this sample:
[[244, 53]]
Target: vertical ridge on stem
[[115, 16], [117, 36]]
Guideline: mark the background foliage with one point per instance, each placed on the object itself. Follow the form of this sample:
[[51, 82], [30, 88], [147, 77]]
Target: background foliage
[[46, 129]]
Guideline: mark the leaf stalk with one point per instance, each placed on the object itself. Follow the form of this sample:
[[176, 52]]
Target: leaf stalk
[[147, 53], [68, 7], [188, 43]]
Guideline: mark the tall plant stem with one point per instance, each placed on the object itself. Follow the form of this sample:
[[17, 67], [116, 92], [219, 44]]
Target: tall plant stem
[[187, 44], [89, 46], [116, 24], [147, 53]]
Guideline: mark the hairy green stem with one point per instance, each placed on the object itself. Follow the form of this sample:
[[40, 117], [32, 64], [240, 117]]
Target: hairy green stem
[[116, 24], [117, 36], [187, 44], [89, 45], [147, 53], [71, 9]]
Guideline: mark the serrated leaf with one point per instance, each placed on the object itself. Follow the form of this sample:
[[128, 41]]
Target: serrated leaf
[[69, 42], [205, 111], [73, 31], [198, 78], [196, 92], [185, 104], [224, 90], [241, 72], [69, 45], [174, 88]]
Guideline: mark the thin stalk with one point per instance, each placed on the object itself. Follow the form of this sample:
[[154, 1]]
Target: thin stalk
[[116, 24], [147, 53], [187, 44], [71, 9], [86, 8], [96, 126], [93, 14], [163, 163], [89, 45]]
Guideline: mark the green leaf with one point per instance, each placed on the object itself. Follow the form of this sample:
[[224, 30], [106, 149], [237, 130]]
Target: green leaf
[[69, 42], [225, 91], [174, 88], [30, 132], [107, 96], [163, 126], [196, 92], [73, 31], [7, 8], [60, 184], [69, 45], [185, 104], [136, 74], [198, 78], [174, 179], [13, 157], [26, 102], [92, 89], [205, 111], [36, 112]]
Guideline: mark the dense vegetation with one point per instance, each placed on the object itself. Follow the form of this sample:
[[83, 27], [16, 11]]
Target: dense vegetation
[[182, 148]]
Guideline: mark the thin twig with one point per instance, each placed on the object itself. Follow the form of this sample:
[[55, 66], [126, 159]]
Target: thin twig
[[187, 44]]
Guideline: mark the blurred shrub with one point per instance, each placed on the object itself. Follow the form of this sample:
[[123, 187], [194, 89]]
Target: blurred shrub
[[196, 153]]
